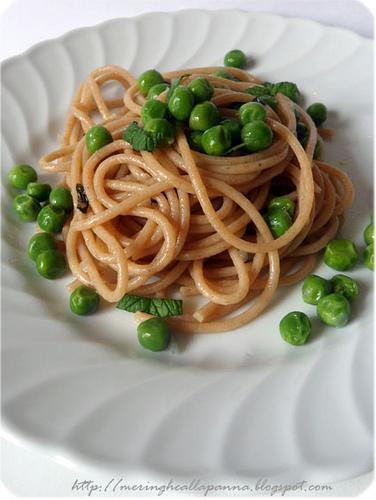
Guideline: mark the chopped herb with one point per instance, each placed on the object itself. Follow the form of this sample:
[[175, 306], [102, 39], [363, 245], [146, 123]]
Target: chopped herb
[[257, 90], [82, 200], [289, 89], [155, 306], [140, 139]]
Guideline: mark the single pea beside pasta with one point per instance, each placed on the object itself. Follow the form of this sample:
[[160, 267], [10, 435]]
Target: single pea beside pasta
[[346, 286], [334, 310], [26, 207], [39, 191], [39, 243], [84, 300], [341, 255], [314, 288], [235, 58], [51, 264], [154, 334], [295, 328], [21, 175], [318, 112], [51, 219]]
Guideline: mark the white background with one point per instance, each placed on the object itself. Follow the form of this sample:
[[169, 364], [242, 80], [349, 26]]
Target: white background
[[25, 470]]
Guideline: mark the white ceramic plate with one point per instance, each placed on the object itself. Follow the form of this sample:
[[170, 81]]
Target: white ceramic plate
[[239, 404]]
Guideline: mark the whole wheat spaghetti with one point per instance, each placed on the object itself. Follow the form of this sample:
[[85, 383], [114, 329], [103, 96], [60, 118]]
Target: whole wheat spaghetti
[[179, 221]]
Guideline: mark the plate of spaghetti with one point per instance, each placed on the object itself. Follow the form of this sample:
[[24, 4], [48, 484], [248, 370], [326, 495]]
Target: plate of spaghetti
[[173, 191]]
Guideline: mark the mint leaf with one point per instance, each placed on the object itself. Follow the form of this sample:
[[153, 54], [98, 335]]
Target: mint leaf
[[155, 306], [166, 307], [134, 303], [258, 90], [289, 89], [82, 200], [141, 140]]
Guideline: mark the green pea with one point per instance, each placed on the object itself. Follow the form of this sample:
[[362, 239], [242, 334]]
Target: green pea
[[154, 334], [318, 113], [61, 197], [163, 127], [39, 243], [51, 264], [204, 116], [153, 109], [181, 103], [256, 136], [84, 300], [282, 203], [302, 133], [252, 111], [295, 328], [216, 140], [346, 286], [279, 221], [368, 234], [224, 74], [156, 90], [341, 255], [20, 175], [51, 219], [334, 310], [233, 127], [314, 288], [201, 89], [317, 150], [195, 141], [148, 79], [235, 58], [369, 257], [38, 191], [96, 138], [26, 207]]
